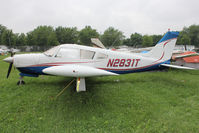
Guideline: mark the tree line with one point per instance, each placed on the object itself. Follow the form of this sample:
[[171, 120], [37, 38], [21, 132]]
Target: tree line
[[111, 37]]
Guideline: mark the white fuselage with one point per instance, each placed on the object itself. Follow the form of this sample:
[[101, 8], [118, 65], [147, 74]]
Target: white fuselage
[[117, 62]]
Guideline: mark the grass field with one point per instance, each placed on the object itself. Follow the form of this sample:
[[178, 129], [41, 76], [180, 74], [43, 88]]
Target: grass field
[[149, 102]]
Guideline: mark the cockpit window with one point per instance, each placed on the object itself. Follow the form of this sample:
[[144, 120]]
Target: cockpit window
[[51, 51], [86, 54], [70, 53]]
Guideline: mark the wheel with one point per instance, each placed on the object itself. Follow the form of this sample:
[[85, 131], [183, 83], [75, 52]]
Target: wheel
[[20, 82]]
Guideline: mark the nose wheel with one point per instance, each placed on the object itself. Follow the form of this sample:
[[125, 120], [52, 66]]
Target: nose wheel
[[20, 82]]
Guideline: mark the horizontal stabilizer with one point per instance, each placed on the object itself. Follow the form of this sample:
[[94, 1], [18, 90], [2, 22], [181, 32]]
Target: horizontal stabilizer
[[178, 67], [187, 55]]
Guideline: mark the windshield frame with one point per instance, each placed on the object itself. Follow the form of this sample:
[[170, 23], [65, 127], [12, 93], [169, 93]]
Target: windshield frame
[[52, 51]]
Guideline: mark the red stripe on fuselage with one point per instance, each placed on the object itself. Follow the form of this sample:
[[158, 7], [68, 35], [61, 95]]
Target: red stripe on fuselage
[[60, 63]]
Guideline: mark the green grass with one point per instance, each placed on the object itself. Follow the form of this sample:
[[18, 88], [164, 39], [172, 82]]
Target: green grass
[[142, 102]]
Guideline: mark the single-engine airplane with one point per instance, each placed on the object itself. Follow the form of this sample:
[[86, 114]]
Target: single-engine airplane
[[72, 60]]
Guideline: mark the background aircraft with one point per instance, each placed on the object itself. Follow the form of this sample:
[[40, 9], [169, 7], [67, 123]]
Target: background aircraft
[[187, 59], [72, 60], [3, 52]]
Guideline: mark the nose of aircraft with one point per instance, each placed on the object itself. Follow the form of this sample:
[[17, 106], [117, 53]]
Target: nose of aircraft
[[8, 59]]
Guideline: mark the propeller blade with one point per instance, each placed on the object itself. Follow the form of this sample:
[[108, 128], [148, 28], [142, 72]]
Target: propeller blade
[[9, 69], [10, 60]]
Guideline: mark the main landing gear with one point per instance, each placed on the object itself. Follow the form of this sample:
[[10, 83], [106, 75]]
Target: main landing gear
[[20, 82]]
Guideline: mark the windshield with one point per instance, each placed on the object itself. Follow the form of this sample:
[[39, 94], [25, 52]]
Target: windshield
[[51, 51]]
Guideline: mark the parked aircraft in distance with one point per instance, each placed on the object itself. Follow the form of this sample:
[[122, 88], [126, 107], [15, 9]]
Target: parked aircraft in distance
[[187, 59], [72, 60], [2, 51], [5, 51]]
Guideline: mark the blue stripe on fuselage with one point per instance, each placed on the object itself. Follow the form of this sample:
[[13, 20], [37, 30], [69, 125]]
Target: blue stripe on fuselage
[[33, 70], [38, 69], [151, 68]]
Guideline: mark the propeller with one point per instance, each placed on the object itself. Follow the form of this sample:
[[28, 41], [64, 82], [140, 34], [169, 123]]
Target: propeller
[[9, 69], [9, 60]]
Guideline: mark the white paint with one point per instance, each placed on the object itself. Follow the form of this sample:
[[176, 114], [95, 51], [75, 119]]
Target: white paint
[[76, 71]]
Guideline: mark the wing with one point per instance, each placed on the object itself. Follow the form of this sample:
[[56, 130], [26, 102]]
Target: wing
[[97, 43], [76, 71], [178, 67]]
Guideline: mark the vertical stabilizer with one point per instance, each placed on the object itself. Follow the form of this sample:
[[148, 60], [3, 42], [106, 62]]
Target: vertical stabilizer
[[164, 48]]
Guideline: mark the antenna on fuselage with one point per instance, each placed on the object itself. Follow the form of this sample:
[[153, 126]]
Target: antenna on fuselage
[[114, 42]]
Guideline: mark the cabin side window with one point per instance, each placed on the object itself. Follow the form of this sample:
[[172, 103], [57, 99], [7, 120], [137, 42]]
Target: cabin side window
[[101, 56], [68, 53], [86, 54]]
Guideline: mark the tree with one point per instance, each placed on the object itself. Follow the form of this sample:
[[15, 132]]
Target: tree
[[136, 39], [189, 35], [184, 31], [86, 34], [112, 37], [156, 39], [2, 29], [42, 36], [127, 42], [147, 41], [31, 40], [66, 35], [193, 32], [184, 40], [21, 39], [8, 38]]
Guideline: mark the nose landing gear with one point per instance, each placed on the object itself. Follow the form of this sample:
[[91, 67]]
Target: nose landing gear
[[20, 82]]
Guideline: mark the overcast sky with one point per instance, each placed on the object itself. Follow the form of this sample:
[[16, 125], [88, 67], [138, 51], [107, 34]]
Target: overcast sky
[[129, 16]]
